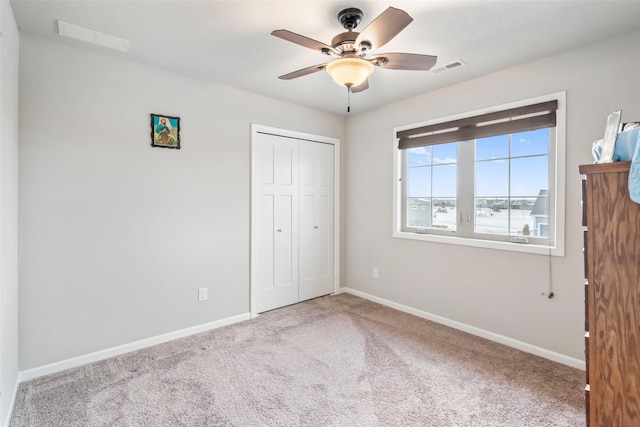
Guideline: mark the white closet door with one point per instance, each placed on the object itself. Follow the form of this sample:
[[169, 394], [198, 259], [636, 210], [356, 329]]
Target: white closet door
[[275, 235], [315, 256]]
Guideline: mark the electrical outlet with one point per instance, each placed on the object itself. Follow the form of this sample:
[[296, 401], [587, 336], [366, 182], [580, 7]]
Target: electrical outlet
[[376, 273], [202, 294]]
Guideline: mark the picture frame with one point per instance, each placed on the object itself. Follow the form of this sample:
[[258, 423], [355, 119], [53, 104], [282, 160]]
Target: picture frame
[[610, 135], [165, 131]]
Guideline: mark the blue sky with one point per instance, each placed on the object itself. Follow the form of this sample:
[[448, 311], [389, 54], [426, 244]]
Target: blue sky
[[529, 163]]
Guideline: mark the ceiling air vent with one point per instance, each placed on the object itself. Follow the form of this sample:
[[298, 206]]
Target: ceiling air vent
[[448, 67], [86, 35]]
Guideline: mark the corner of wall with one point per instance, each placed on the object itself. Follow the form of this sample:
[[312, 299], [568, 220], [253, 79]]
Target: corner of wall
[[9, 76]]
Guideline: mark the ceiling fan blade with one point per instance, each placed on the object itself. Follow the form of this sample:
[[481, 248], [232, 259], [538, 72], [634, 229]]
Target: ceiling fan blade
[[384, 27], [363, 86], [302, 41], [303, 72], [404, 61]]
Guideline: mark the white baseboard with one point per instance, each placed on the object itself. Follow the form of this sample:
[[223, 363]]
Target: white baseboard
[[7, 421], [40, 371], [528, 348]]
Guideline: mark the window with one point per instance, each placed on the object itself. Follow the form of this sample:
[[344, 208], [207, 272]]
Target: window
[[431, 176], [491, 178]]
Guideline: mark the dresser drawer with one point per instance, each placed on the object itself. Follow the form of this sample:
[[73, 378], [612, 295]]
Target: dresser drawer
[[583, 203], [586, 404], [586, 306], [585, 238], [586, 355]]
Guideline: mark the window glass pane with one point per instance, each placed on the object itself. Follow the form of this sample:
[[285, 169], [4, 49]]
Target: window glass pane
[[492, 178], [494, 147], [419, 184], [445, 180], [424, 183], [530, 143], [444, 213], [529, 175], [419, 156], [445, 153], [521, 222], [540, 215], [419, 212], [492, 215]]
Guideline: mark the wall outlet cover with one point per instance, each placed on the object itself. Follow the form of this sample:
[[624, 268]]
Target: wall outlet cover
[[202, 294]]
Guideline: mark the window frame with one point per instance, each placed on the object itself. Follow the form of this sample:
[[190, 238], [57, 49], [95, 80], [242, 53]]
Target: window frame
[[557, 156]]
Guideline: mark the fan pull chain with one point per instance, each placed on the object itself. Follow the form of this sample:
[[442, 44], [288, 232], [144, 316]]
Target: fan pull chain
[[348, 99]]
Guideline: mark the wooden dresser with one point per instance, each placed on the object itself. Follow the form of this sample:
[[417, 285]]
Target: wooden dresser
[[612, 296]]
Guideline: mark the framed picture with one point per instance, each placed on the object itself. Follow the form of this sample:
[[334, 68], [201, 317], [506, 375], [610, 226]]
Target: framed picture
[[165, 131], [610, 135]]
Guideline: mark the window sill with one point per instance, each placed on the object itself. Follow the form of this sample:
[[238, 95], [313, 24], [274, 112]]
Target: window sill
[[487, 244]]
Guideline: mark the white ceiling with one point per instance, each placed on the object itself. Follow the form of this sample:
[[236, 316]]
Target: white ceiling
[[229, 42]]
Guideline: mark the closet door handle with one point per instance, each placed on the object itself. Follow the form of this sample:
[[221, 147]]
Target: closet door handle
[[279, 231], [315, 226]]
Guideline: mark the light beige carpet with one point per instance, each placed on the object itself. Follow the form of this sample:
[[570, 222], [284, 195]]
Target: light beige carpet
[[333, 361]]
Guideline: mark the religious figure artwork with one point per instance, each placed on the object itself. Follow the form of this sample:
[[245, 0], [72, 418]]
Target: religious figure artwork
[[165, 131]]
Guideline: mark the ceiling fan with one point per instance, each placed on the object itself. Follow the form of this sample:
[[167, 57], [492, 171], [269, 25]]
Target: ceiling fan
[[354, 61]]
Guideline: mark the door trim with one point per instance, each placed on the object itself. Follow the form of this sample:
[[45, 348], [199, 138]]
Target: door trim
[[286, 133]]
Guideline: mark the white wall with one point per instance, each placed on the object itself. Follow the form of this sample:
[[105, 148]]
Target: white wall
[[9, 46], [116, 236], [496, 291]]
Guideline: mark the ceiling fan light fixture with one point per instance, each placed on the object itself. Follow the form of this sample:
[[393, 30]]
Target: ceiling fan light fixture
[[350, 72]]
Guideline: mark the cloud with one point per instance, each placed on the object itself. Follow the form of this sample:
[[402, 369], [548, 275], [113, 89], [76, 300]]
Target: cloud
[[445, 160], [421, 150]]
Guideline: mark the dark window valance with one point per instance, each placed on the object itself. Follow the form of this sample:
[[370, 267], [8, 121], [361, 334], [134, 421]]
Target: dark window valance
[[520, 119]]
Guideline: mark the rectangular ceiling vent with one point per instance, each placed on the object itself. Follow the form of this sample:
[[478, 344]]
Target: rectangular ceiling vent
[[448, 67], [89, 36]]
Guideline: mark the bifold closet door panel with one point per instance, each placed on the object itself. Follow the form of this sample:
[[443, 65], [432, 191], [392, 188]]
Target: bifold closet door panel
[[275, 241], [316, 186]]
